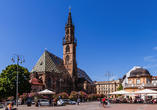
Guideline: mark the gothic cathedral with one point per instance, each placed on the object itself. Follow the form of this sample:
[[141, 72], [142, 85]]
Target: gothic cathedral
[[51, 72]]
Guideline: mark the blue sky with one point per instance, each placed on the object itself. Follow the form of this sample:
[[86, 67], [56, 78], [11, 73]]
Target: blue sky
[[112, 35]]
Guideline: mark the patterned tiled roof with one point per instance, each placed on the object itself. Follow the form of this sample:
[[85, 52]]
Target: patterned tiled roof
[[49, 62]]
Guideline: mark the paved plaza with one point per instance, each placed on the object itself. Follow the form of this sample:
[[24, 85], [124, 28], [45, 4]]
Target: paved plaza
[[92, 106]]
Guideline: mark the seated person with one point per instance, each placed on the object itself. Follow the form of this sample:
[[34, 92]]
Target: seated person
[[10, 106]]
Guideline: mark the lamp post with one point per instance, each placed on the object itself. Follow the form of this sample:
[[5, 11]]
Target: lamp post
[[61, 83], [108, 74], [140, 87], [21, 59]]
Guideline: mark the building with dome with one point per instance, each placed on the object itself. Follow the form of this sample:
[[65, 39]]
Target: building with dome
[[139, 79], [61, 75], [125, 77]]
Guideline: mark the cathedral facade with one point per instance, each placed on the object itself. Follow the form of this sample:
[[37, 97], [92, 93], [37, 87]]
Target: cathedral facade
[[61, 75]]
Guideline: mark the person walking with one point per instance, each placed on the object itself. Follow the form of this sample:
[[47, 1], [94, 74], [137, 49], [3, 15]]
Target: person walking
[[78, 101]]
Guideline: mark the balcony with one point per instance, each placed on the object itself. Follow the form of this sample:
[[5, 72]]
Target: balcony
[[64, 41], [141, 84]]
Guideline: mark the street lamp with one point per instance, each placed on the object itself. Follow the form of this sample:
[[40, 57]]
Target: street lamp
[[61, 83], [92, 90], [140, 87], [108, 74], [21, 59]]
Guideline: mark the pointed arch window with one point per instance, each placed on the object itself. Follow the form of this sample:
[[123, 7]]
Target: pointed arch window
[[67, 48], [67, 58], [49, 83]]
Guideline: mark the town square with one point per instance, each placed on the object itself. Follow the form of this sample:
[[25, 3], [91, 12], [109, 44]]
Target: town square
[[75, 55], [93, 106]]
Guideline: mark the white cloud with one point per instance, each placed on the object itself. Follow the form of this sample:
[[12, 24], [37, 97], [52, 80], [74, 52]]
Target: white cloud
[[149, 58], [99, 78], [113, 77], [150, 66], [105, 78], [155, 48]]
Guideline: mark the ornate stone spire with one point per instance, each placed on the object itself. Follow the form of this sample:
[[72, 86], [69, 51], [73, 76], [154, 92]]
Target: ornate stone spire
[[69, 17]]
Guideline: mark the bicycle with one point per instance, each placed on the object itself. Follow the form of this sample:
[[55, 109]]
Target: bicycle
[[106, 104]]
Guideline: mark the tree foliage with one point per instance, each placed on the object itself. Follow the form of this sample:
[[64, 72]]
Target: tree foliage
[[120, 87], [8, 79]]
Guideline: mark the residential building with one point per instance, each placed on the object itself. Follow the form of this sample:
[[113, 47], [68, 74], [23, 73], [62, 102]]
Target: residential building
[[105, 87], [154, 80]]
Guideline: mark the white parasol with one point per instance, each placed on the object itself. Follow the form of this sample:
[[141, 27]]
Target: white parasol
[[146, 91], [120, 92], [46, 91]]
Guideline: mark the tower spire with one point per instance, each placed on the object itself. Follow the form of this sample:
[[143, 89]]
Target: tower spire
[[69, 17], [69, 8], [69, 48]]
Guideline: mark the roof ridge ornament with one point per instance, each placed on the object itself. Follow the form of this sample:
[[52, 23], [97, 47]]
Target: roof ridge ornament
[[45, 48], [69, 8]]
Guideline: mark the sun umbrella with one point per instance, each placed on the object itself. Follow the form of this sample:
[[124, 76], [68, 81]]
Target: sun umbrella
[[151, 94], [46, 91], [146, 91], [120, 92]]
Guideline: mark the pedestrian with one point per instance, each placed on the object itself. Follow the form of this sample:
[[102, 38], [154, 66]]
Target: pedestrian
[[10, 107], [38, 103], [154, 101], [78, 101]]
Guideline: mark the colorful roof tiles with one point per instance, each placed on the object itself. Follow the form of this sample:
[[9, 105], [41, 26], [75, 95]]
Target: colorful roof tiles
[[49, 62]]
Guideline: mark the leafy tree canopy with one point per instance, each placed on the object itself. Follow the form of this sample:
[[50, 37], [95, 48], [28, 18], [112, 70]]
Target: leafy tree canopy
[[120, 87], [8, 79]]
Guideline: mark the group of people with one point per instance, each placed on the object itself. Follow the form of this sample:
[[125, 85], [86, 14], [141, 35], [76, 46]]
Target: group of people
[[130, 100]]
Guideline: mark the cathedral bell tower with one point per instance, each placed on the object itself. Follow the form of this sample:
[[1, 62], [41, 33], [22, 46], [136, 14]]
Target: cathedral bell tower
[[69, 48]]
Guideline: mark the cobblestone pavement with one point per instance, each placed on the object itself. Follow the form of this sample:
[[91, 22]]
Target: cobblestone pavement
[[92, 106]]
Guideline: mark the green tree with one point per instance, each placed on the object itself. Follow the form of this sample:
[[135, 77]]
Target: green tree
[[8, 79], [120, 87]]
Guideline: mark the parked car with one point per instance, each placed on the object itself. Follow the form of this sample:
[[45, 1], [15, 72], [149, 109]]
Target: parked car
[[72, 102], [33, 102], [19, 102], [1, 105], [66, 101], [8, 102], [43, 102], [60, 102]]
